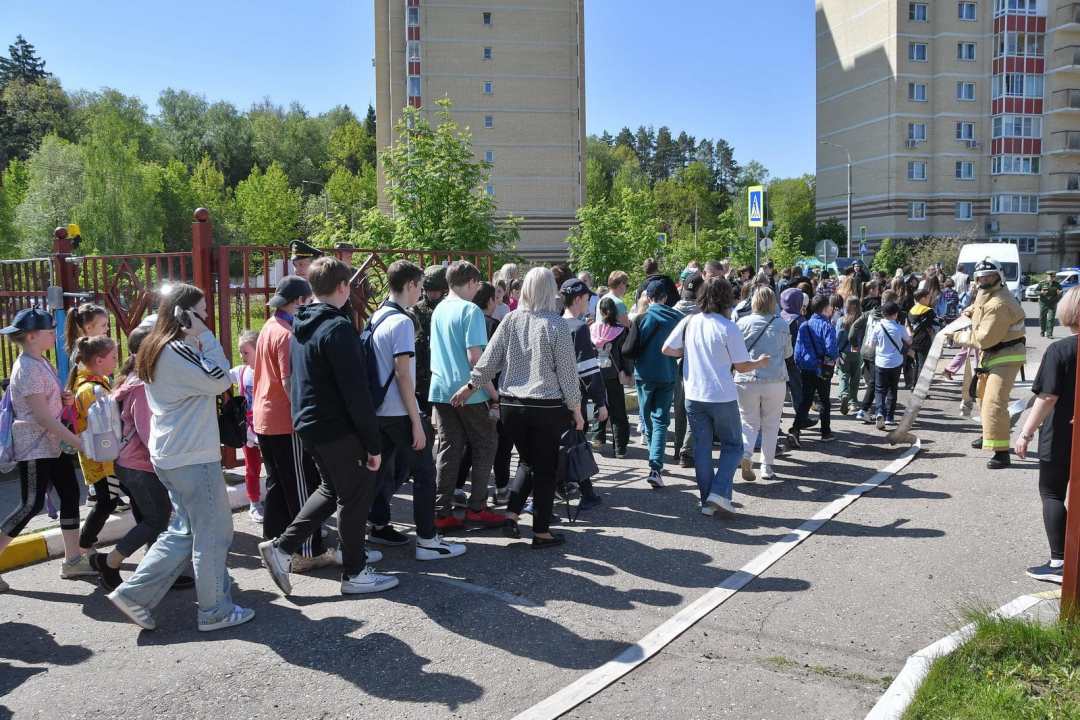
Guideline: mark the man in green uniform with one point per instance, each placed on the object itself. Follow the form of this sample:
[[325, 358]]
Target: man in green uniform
[[435, 289], [1049, 291], [300, 255]]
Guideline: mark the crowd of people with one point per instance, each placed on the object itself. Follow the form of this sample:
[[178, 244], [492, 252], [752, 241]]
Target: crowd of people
[[453, 375]]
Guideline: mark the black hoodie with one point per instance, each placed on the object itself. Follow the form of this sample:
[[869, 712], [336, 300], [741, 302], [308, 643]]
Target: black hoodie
[[669, 285], [329, 381]]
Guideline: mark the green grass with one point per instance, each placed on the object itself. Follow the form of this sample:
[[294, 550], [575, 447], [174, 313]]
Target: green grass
[[1010, 670]]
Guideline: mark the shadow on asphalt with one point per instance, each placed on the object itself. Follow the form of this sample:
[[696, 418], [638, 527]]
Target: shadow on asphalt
[[31, 645]]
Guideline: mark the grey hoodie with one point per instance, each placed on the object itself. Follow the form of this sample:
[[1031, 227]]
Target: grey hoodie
[[183, 400]]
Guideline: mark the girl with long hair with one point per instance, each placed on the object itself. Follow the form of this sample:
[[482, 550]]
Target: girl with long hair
[[608, 336], [850, 359], [184, 369]]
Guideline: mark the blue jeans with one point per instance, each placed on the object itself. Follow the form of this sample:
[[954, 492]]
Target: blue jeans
[[201, 532], [654, 398], [723, 420]]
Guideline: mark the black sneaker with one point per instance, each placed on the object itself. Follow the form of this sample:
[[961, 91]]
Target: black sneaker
[[588, 503], [387, 535], [1000, 461], [1046, 573], [828, 438], [845, 405], [686, 461], [109, 576], [183, 582]]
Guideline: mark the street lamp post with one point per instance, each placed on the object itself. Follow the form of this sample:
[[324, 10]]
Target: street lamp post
[[326, 196], [848, 192]]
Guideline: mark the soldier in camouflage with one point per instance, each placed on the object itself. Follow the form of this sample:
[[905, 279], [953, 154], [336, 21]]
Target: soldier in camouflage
[[435, 289]]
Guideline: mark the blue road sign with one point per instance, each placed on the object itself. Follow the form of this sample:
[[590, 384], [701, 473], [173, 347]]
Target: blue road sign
[[864, 248], [756, 201]]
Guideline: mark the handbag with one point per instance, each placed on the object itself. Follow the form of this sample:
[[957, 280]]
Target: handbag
[[232, 422], [576, 463]]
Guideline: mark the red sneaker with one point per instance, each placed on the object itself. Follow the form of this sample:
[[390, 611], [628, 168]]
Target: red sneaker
[[485, 518], [448, 523]]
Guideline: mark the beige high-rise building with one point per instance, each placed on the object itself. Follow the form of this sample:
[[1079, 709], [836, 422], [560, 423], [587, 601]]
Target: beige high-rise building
[[961, 118], [515, 73]]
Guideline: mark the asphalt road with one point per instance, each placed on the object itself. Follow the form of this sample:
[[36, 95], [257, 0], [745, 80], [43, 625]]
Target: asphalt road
[[819, 634]]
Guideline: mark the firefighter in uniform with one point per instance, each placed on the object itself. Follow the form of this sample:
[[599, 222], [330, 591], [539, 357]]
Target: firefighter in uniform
[[997, 332]]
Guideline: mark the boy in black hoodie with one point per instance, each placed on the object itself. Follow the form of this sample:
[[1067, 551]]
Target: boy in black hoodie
[[334, 417]]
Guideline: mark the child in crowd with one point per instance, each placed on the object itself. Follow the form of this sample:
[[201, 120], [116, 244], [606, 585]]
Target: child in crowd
[[136, 473], [515, 294], [921, 325], [93, 361], [890, 342], [617, 371], [871, 296], [816, 354], [243, 376], [37, 398], [86, 320], [850, 361], [501, 308]]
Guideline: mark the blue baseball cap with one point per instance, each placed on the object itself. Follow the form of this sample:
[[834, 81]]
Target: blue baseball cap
[[656, 289], [573, 287], [29, 320]]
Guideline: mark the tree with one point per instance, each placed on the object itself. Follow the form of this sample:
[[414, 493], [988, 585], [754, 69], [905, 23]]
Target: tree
[[30, 111], [182, 121], [625, 138], [787, 248], [832, 229], [664, 157], [22, 64], [228, 141], [13, 187], [792, 206], [614, 234], [177, 202], [208, 189], [370, 127], [889, 257], [437, 188], [55, 189], [644, 144], [349, 147], [269, 210]]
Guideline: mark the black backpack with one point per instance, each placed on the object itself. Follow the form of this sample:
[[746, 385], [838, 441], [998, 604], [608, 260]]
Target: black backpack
[[376, 389]]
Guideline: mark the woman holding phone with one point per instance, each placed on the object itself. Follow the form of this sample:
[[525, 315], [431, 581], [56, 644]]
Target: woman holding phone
[[184, 370]]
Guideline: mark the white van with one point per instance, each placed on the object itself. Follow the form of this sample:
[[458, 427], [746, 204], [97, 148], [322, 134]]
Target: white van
[[1007, 254]]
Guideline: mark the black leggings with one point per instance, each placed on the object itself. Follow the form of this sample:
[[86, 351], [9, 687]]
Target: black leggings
[[1053, 483], [108, 497], [537, 434], [34, 478]]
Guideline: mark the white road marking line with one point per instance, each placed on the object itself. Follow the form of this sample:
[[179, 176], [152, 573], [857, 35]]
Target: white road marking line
[[589, 685], [508, 598]]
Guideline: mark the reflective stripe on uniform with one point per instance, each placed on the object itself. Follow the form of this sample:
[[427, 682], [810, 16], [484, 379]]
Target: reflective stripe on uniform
[[995, 444], [1005, 360]]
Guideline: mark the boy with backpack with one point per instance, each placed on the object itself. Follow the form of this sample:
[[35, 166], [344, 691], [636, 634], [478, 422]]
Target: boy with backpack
[[334, 418], [921, 325], [389, 344], [889, 340], [815, 355], [291, 474]]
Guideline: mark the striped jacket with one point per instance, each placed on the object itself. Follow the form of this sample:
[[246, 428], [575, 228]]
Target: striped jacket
[[588, 366]]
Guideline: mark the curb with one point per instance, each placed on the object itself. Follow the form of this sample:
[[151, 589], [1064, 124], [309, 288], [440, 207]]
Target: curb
[[38, 546], [894, 702]]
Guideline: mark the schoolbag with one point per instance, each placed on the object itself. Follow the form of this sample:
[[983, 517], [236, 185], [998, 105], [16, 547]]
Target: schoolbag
[[7, 440], [377, 389], [103, 437], [952, 303]]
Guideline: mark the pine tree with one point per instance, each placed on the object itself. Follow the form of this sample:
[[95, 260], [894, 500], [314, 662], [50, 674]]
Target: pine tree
[[625, 138], [607, 139], [22, 64]]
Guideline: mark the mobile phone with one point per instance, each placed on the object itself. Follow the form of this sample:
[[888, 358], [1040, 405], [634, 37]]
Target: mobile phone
[[182, 317]]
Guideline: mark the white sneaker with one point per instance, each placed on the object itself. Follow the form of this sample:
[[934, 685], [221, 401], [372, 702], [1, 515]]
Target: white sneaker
[[767, 472], [79, 567], [707, 510], [255, 512], [747, 466], [301, 564], [134, 612], [278, 562], [879, 422], [373, 556], [237, 616], [721, 503], [656, 478], [367, 582], [436, 549]]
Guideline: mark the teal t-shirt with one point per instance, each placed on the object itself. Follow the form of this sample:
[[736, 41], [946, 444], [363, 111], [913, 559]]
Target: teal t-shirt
[[456, 326], [620, 306]]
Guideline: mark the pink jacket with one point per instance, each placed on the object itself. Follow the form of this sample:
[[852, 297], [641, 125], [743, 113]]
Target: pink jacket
[[134, 412]]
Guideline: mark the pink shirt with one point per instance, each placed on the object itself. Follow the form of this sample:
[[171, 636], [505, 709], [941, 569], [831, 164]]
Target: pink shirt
[[134, 413]]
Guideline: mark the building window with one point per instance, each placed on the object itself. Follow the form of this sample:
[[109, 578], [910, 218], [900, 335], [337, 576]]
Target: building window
[[965, 171], [1018, 85], [487, 53], [917, 12], [916, 52], [489, 190], [413, 50], [965, 51], [487, 18], [1014, 204], [1015, 165], [962, 211], [1016, 126], [965, 91], [916, 171], [1019, 44], [916, 211], [414, 86], [1015, 7], [1025, 245], [916, 132], [489, 121], [965, 131], [488, 88], [966, 11], [414, 16], [916, 92], [489, 155]]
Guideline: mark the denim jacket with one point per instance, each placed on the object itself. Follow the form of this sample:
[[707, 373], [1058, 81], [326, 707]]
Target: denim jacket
[[817, 340], [774, 342]]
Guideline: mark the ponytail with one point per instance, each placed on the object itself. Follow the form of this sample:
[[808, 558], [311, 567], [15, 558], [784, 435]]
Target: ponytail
[[87, 348], [78, 318]]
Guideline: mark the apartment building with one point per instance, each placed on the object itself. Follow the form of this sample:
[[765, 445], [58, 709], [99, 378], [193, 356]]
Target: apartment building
[[515, 73], [962, 118]]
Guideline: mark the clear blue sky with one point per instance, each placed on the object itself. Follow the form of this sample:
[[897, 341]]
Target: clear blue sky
[[697, 65]]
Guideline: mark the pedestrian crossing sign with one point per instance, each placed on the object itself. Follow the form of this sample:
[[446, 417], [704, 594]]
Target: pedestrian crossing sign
[[757, 205]]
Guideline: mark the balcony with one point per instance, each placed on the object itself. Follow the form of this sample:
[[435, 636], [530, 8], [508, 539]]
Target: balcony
[[1065, 141], [1067, 58], [1066, 99], [1068, 17]]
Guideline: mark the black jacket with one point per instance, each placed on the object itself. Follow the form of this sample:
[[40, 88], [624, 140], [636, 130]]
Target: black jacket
[[329, 379], [592, 381], [672, 291]]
